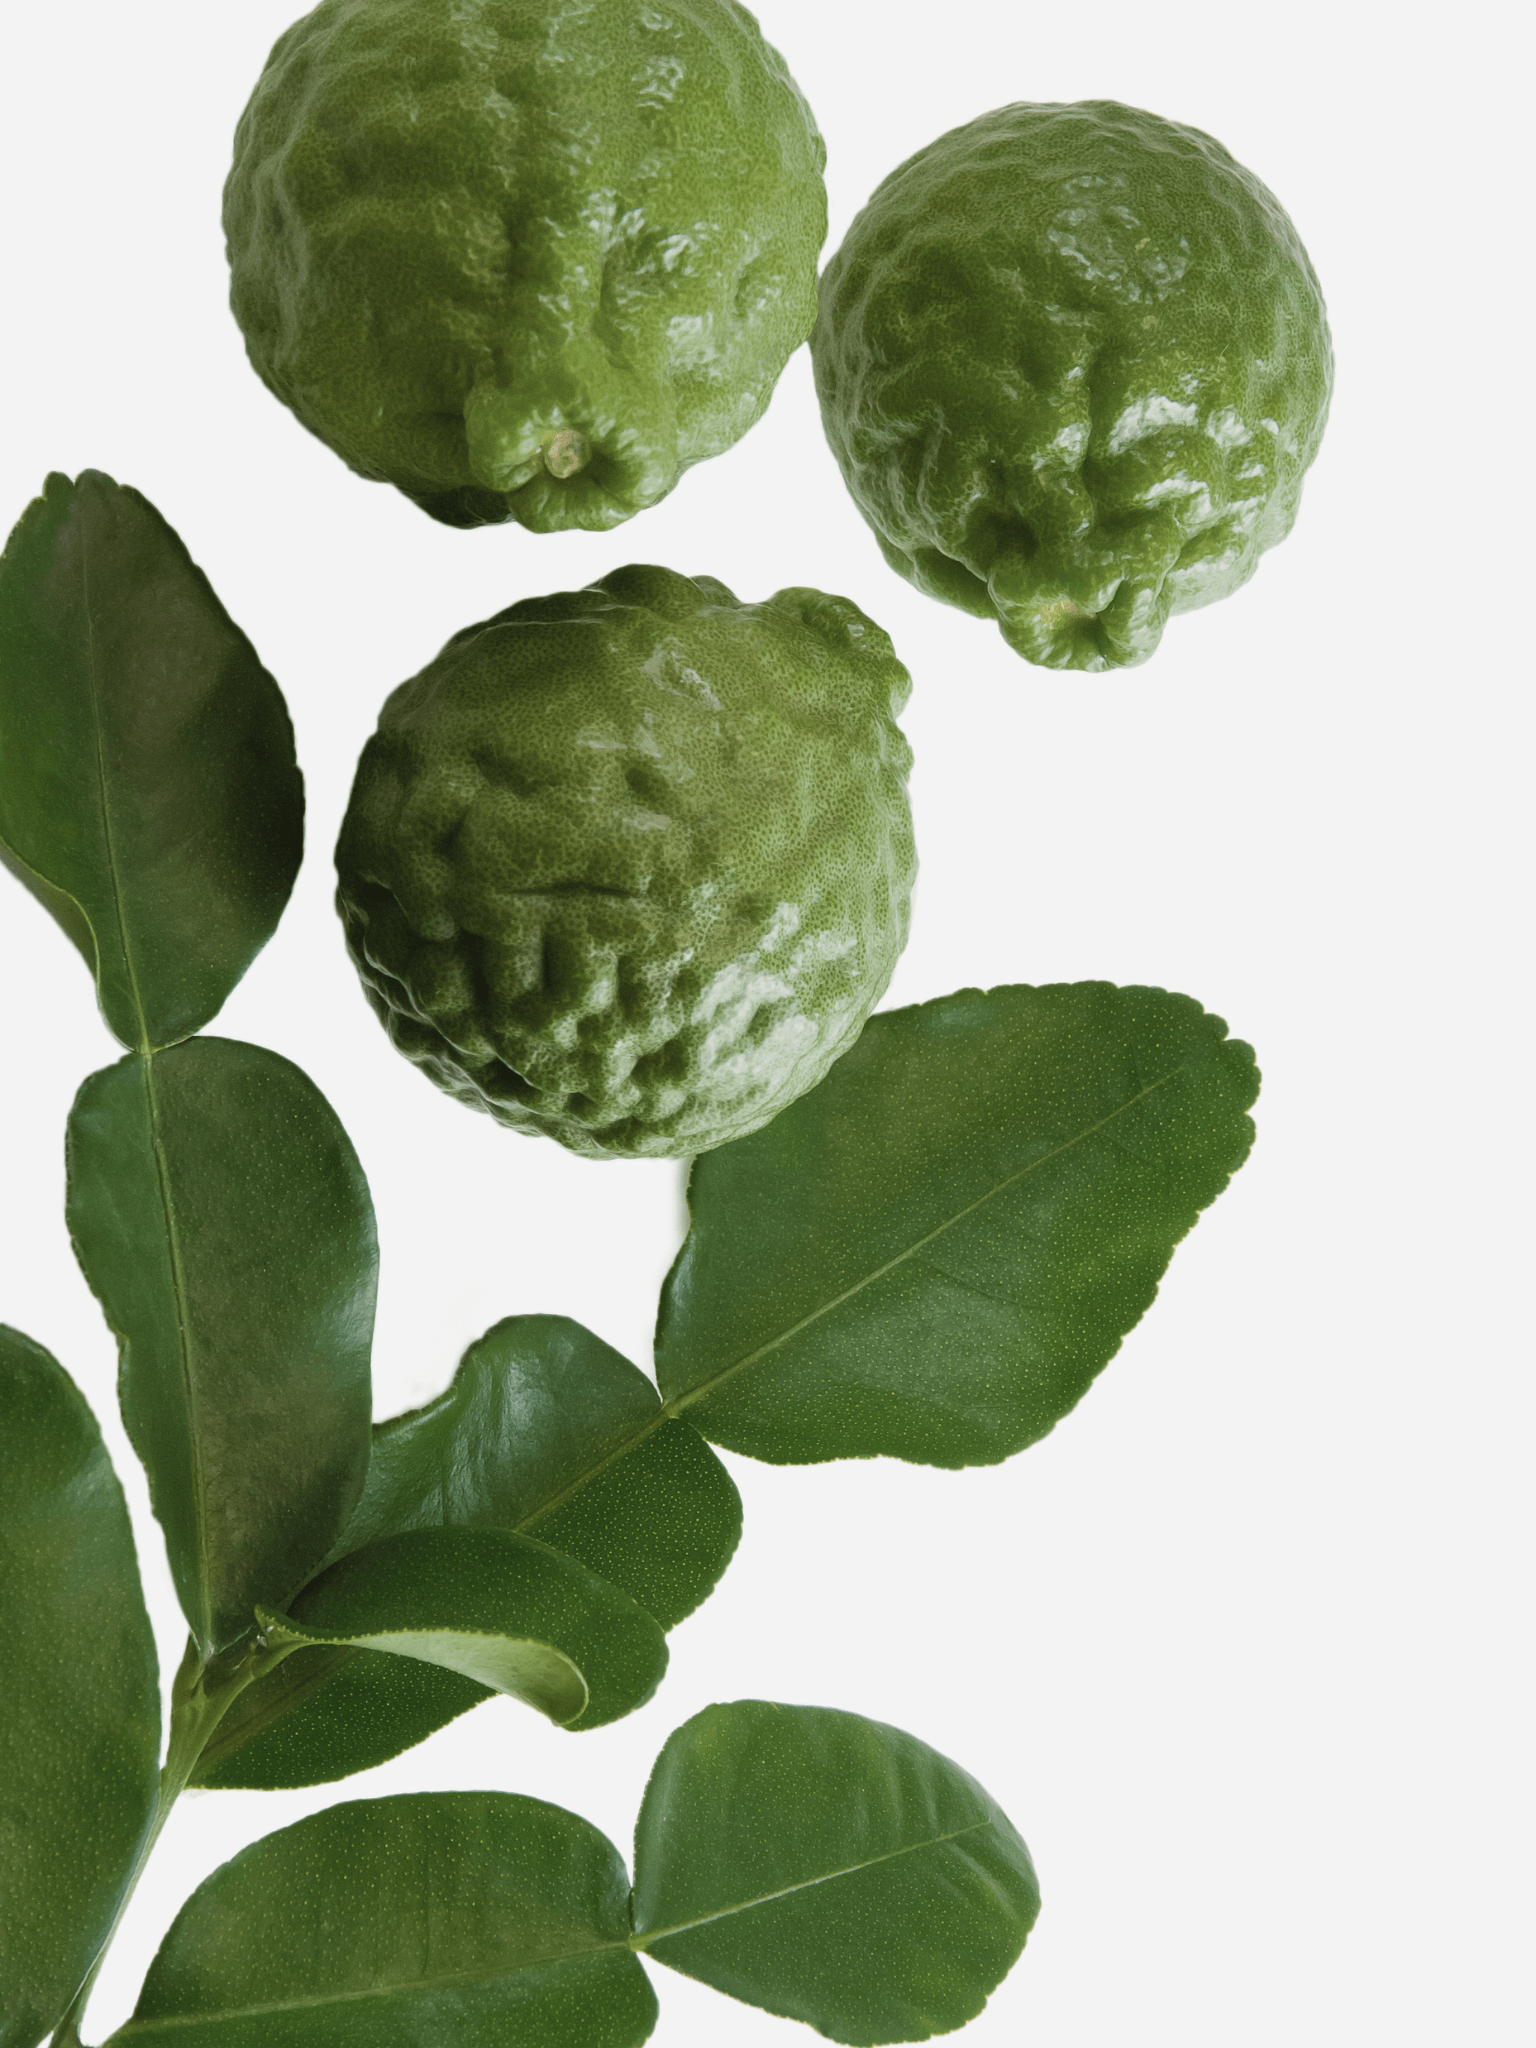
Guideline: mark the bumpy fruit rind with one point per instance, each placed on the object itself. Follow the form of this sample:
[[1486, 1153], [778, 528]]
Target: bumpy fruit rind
[[1074, 363], [630, 865], [524, 260]]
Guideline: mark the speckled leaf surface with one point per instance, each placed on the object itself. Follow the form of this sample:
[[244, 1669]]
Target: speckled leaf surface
[[223, 1221], [323, 1714], [546, 1431], [149, 796], [476, 1918], [80, 1730], [549, 1430], [495, 1607], [830, 1869], [932, 1254]]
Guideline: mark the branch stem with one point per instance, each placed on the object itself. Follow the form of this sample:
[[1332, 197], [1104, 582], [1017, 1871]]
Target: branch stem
[[201, 1695]]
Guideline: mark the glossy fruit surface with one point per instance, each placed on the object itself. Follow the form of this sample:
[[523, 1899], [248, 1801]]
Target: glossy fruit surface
[[630, 865], [525, 260], [1074, 363]]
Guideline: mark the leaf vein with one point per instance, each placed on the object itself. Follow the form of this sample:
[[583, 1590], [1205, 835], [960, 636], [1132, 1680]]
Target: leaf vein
[[499, 1973], [674, 1408], [809, 1884], [184, 1348], [109, 839], [679, 1402]]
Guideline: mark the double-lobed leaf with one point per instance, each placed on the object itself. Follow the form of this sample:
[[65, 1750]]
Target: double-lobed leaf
[[223, 1221], [809, 1862], [80, 1719], [545, 1431], [932, 1254], [464, 1917], [929, 1256], [548, 1430], [149, 795]]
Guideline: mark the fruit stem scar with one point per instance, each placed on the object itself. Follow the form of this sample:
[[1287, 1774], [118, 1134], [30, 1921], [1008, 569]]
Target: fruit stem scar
[[566, 452]]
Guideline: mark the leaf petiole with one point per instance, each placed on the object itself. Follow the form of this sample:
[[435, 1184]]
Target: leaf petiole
[[201, 1695]]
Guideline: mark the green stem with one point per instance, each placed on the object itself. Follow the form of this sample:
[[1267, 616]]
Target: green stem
[[201, 1695]]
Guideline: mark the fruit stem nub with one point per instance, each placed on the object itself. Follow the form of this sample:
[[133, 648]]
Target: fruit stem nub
[[566, 452]]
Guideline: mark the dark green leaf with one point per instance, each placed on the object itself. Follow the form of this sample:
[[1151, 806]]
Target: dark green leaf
[[498, 1608], [327, 1712], [80, 1727], [932, 1254], [536, 1404], [548, 1430], [222, 1219], [829, 1869], [475, 1919], [149, 795], [662, 1521], [323, 1714]]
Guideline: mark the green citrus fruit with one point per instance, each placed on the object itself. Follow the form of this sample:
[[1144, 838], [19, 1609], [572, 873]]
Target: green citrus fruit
[[631, 865], [1074, 363], [522, 259]]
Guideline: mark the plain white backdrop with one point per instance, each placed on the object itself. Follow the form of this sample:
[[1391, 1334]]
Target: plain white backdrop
[[1242, 1647]]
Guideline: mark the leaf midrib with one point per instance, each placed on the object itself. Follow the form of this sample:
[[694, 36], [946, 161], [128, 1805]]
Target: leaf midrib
[[491, 1974], [679, 1403], [673, 1409], [109, 837], [644, 1942], [912, 1250], [146, 1053], [184, 1350]]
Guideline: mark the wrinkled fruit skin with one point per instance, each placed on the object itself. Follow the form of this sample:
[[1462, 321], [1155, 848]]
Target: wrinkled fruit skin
[[1074, 363], [525, 260], [630, 865]]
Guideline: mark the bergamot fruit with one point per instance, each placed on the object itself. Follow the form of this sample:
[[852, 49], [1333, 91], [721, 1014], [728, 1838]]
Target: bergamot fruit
[[522, 259], [630, 865], [1074, 362]]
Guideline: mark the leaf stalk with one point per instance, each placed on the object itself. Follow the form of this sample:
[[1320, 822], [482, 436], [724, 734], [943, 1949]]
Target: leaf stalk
[[201, 1695]]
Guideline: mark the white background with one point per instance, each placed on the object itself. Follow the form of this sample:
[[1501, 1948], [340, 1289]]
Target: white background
[[1241, 1647]]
